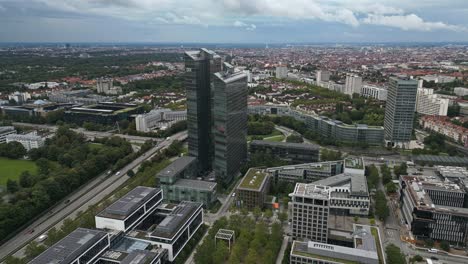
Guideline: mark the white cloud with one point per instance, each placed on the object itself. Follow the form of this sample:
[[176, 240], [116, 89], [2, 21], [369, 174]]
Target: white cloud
[[249, 27], [392, 13], [410, 22]]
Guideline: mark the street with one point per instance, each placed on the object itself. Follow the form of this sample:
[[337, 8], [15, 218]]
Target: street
[[90, 194]]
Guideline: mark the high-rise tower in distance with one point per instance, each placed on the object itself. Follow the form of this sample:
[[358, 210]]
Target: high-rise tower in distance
[[230, 123], [399, 111], [200, 67]]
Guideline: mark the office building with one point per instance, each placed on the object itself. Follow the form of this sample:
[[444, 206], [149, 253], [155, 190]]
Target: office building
[[158, 119], [106, 113], [19, 98], [230, 123], [170, 227], [253, 189], [325, 127], [431, 208], [281, 72], [178, 184], [5, 131], [399, 111], [353, 84], [428, 103], [371, 91], [124, 253], [80, 246], [293, 152], [364, 250], [129, 210], [200, 67], [82, 97], [453, 173], [29, 141], [306, 173]]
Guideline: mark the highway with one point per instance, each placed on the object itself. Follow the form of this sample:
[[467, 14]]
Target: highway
[[89, 134], [89, 194]]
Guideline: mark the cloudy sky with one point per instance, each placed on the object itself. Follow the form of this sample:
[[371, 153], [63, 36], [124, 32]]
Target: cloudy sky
[[233, 21]]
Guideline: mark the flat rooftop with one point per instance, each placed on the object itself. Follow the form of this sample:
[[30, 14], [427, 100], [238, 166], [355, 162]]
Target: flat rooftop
[[311, 190], [196, 184], [354, 163], [169, 227], [70, 247], [285, 145], [176, 166], [126, 205], [336, 180], [253, 180], [359, 185]]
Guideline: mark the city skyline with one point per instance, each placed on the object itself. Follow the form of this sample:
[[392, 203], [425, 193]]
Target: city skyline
[[233, 21]]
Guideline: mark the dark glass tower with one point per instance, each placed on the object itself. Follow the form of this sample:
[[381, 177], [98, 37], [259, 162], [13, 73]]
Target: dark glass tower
[[200, 67], [230, 123], [399, 111]]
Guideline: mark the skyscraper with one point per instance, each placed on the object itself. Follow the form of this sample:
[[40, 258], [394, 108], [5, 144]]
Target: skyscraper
[[399, 111], [230, 123], [200, 67]]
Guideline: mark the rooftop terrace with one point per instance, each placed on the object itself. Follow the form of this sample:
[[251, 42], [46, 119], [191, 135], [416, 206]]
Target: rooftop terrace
[[253, 179]]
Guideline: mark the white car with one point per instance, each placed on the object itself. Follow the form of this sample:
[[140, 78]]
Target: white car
[[233, 194], [117, 173], [41, 238]]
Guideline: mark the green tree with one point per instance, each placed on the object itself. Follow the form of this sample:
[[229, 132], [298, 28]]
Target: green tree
[[293, 138], [391, 187], [33, 249], [444, 245], [219, 256], [429, 242], [394, 255], [252, 257], [268, 214], [257, 213], [12, 186], [26, 180], [381, 208], [282, 216], [14, 260]]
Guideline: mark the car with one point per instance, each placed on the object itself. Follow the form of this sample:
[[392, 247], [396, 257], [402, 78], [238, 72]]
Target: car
[[434, 258], [432, 250], [109, 172], [117, 173], [233, 194], [41, 238]]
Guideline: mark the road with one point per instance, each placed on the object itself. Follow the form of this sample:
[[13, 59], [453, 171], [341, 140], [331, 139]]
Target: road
[[89, 134], [88, 195]]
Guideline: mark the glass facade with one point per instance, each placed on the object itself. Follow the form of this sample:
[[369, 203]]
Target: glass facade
[[230, 125]]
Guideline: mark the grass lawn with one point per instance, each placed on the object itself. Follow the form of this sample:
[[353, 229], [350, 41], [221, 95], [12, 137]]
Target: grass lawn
[[273, 134], [11, 169], [278, 138]]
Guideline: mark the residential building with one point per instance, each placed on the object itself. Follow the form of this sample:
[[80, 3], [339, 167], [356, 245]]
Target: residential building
[[83, 97], [158, 118], [19, 98], [399, 111], [293, 152], [322, 76], [80, 246], [463, 108], [230, 124], [325, 127], [308, 172], [29, 141], [253, 189], [353, 84], [106, 86], [281, 72], [431, 208], [200, 67], [442, 125], [5, 131], [130, 210], [379, 93], [178, 184], [429, 103], [460, 91], [365, 250]]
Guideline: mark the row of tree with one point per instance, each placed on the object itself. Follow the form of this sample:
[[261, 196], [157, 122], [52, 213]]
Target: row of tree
[[255, 242], [64, 163]]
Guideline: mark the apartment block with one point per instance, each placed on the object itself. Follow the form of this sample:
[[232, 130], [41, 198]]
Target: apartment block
[[158, 118], [5, 131], [429, 103]]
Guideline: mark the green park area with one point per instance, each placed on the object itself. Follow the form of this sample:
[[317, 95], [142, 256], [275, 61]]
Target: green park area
[[12, 169]]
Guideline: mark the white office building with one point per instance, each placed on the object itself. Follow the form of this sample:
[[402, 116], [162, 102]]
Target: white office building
[[5, 131], [428, 103], [281, 72], [371, 91], [29, 141], [353, 84], [158, 118]]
